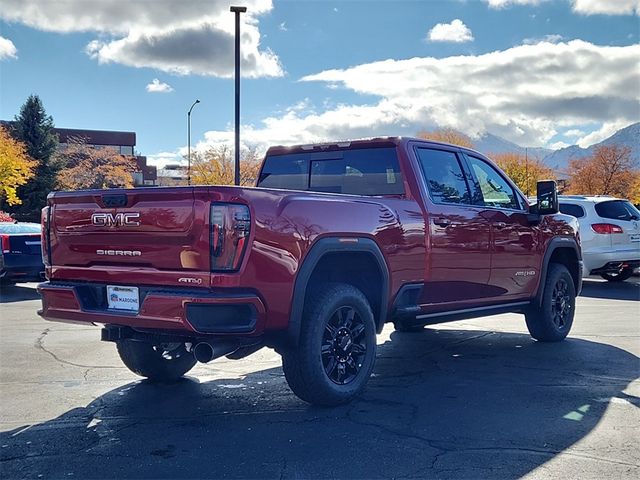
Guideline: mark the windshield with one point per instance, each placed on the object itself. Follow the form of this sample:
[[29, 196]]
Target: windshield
[[618, 210], [13, 228]]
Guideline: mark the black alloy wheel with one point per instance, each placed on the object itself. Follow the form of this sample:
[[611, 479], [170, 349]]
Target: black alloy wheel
[[343, 345], [560, 303]]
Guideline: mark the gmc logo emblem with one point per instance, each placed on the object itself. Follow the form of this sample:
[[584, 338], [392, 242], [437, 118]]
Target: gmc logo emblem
[[117, 220]]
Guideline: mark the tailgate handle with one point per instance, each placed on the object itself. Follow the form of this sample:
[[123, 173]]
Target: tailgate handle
[[115, 200]]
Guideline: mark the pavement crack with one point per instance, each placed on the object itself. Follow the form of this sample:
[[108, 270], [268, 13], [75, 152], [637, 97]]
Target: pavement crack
[[39, 344]]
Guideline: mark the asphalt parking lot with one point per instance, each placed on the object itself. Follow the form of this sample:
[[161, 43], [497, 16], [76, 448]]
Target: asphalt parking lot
[[471, 399]]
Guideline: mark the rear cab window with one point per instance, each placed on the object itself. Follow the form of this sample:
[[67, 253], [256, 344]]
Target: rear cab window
[[365, 171], [617, 210]]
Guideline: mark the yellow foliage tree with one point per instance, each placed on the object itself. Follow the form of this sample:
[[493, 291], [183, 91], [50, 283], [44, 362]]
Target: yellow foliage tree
[[524, 171], [447, 135], [609, 171], [90, 167], [16, 167], [215, 166]]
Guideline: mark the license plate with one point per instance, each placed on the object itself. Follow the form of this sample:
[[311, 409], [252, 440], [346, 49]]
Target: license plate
[[635, 237], [123, 298]]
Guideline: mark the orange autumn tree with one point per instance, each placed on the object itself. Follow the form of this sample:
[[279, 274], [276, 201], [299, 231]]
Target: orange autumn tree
[[90, 167], [215, 166], [16, 168], [447, 135], [610, 170], [524, 171]]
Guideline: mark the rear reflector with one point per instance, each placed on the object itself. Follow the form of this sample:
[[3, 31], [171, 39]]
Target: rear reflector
[[606, 228], [4, 241], [230, 227], [45, 239]]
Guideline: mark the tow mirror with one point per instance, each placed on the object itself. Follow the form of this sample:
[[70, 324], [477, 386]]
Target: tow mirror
[[547, 193]]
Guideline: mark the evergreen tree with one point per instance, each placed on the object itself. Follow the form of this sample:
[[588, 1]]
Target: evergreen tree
[[34, 128]]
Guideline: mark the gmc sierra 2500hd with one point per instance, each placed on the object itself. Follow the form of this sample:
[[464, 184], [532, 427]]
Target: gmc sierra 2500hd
[[335, 240]]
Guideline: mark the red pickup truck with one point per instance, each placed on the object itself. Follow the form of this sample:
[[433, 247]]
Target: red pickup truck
[[335, 241]]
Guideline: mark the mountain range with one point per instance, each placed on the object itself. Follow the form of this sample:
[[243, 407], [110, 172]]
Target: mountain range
[[559, 159]]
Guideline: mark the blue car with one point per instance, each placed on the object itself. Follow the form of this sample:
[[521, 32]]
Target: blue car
[[20, 252]]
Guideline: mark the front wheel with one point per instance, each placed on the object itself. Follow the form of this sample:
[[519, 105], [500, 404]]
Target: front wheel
[[551, 321], [621, 276], [159, 363], [337, 347]]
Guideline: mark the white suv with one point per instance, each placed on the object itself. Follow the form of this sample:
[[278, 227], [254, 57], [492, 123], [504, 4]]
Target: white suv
[[610, 234]]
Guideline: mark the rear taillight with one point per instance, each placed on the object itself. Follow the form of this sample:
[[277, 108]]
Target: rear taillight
[[4, 241], [606, 228], [45, 240], [230, 227]]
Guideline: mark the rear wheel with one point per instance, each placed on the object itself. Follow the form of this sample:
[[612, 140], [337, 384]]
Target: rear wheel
[[337, 347], [552, 320], [159, 363], [621, 276]]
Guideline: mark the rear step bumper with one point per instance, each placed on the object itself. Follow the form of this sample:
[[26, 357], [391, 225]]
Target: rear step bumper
[[182, 311]]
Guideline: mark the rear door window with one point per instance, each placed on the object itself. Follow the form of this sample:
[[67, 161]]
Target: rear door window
[[617, 210], [444, 176], [573, 210]]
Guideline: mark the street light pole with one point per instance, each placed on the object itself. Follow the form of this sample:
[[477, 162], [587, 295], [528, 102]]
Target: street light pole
[[189, 142], [237, 11]]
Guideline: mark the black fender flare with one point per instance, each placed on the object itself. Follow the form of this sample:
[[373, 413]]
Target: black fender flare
[[318, 250], [555, 244]]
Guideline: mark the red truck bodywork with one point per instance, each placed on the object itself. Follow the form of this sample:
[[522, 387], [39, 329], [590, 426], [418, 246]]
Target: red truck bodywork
[[458, 257]]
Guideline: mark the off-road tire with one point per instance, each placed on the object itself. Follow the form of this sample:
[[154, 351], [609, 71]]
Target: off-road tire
[[156, 362], [552, 320], [624, 274], [307, 367]]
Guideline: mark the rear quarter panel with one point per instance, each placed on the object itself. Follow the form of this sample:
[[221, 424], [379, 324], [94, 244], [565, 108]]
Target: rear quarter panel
[[286, 225]]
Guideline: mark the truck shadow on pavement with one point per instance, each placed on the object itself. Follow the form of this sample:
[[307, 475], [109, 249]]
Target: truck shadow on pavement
[[441, 403], [17, 293], [629, 290]]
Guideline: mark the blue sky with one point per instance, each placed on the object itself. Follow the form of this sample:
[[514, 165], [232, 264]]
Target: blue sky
[[537, 72]]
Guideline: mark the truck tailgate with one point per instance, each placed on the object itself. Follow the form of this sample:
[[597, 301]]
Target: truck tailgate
[[138, 230]]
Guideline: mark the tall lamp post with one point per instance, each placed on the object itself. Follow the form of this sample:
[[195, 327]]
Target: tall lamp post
[[189, 142], [237, 11]]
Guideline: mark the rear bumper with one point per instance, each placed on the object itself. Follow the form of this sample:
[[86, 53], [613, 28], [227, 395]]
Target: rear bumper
[[22, 274], [595, 261], [187, 312]]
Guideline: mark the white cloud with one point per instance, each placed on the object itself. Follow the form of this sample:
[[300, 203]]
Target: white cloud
[[584, 7], [574, 132], [507, 3], [162, 159], [283, 27], [607, 129], [7, 49], [551, 38], [456, 32], [607, 7], [526, 94], [176, 36], [156, 86]]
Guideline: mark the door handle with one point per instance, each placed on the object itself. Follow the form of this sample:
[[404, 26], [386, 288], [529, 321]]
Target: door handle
[[499, 225], [442, 222]]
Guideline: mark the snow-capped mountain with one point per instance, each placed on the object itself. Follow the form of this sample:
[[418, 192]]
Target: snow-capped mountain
[[628, 137], [489, 143]]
